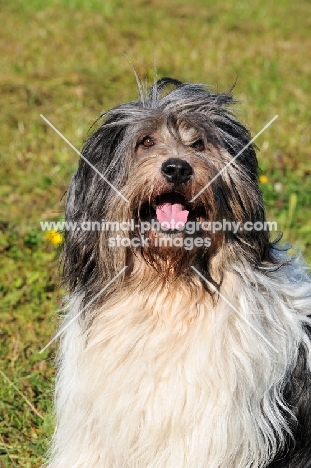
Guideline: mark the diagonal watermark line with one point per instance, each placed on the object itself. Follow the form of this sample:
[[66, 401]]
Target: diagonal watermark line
[[82, 310], [83, 157], [235, 309], [34, 409], [234, 158]]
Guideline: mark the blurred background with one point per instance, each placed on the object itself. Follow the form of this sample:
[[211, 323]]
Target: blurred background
[[66, 59]]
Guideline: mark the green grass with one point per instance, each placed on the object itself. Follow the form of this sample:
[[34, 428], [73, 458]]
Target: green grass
[[67, 61]]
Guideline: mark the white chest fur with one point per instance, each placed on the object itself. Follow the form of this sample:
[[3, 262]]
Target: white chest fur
[[167, 379]]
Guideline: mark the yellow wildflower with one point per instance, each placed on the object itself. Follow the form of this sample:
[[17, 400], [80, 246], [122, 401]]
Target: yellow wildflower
[[263, 179], [54, 237]]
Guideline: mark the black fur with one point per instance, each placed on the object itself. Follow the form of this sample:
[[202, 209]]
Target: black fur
[[297, 394]]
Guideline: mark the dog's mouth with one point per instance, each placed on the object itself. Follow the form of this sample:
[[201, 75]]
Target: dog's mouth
[[171, 211]]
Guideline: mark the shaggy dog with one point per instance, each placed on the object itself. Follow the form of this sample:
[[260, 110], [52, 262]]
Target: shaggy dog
[[183, 347]]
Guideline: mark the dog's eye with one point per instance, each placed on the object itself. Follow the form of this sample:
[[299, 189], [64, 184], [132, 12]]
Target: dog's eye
[[198, 145], [147, 141]]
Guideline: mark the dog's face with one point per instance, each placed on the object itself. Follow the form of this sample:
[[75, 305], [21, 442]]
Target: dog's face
[[169, 161], [168, 170]]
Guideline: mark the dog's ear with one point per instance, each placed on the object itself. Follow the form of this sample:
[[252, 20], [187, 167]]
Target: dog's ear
[[87, 201]]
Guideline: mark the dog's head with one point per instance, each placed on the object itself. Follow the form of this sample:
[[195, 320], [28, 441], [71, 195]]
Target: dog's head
[[157, 174]]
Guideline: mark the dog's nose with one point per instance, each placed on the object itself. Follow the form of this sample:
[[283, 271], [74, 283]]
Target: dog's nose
[[176, 171]]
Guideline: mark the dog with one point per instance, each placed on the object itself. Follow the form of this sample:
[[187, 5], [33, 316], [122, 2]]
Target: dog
[[181, 347]]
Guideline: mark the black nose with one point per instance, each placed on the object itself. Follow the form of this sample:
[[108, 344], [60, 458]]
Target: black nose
[[176, 171]]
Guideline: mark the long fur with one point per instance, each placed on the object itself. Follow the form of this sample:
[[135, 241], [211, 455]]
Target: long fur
[[161, 371]]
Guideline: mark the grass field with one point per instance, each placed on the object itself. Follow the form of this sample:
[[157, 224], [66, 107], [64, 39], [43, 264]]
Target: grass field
[[66, 60]]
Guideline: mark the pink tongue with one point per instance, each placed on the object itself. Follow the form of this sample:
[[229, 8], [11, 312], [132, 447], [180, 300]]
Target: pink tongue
[[172, 215]]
